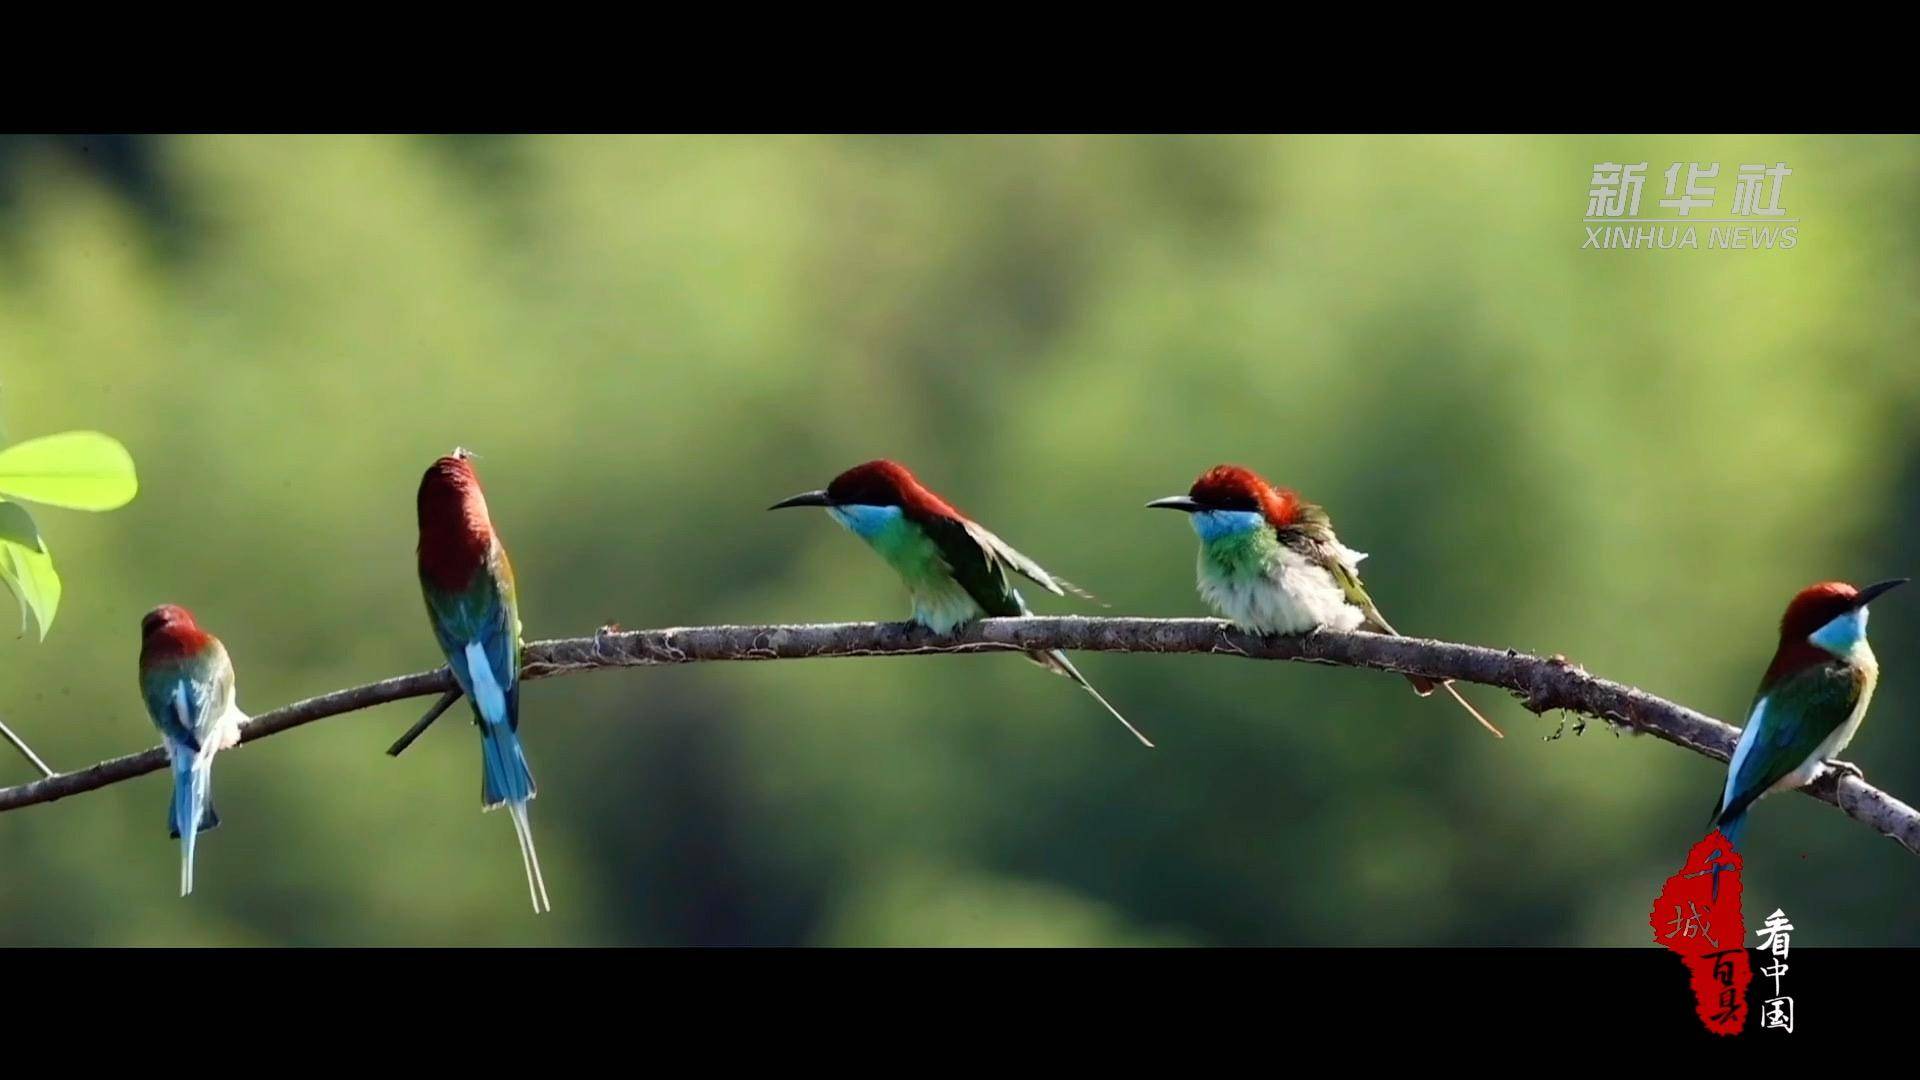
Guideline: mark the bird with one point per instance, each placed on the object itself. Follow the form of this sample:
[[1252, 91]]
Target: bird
[[954, 569], [186, 680], [1810, 702], [471, 602], [1271, 564]]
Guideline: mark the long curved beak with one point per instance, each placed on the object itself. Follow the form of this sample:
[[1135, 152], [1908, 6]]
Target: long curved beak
[[1176, 502], [805, 498], [1866, 595]]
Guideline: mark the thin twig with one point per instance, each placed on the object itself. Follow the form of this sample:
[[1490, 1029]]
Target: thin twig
[[26, 751], [1541, 683]]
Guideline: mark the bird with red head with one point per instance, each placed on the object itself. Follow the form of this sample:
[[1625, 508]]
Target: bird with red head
[[954, 569], [1270, 563], [186, 680], [1811, 701]]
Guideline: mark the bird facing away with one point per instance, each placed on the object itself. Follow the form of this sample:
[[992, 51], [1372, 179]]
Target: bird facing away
[[468, 583], [186, 680], [1811, 699], [1270, 563], [954, 569]]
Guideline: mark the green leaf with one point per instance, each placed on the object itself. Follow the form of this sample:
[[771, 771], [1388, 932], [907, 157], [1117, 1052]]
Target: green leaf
[[77, 470], [6, 578], [18, 526], [31, 577]]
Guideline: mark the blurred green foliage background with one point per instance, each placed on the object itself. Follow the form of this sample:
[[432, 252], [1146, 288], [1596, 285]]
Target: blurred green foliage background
[[1631, 457]]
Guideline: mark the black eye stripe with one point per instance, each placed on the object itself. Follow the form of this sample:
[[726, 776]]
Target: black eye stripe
[[864, 495]]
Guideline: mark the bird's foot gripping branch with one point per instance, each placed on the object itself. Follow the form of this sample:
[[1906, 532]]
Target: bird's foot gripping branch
[[1540, 683]]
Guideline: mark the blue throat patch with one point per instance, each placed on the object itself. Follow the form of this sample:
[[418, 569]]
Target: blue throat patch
[[1214, 524], [1842, 634], [865, 522]]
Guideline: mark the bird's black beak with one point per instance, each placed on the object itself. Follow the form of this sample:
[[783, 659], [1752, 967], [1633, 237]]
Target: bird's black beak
[[1866, 595], [1176, 502], [805, 498]]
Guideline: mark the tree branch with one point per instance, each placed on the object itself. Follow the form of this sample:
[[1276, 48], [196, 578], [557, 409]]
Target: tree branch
[[1541, 684]]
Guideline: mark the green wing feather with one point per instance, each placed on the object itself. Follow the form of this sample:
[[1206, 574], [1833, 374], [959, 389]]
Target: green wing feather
[[998, 550], [1802, 711], [980, 560], [510, 596], [983, 576]]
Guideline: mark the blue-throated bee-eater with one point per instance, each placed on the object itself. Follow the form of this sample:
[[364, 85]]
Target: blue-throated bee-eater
[[955, 570], [186, 680], [475, 612], [1270, 563], [1811, 699]]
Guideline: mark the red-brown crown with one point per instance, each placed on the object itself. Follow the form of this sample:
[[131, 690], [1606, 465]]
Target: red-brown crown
[[168, 632], [1815, 606], [167, 615], [455, 530], [1232, 487], [887, 483]]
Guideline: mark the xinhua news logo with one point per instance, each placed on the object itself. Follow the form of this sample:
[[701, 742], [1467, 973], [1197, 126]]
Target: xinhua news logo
[[1749, 217]]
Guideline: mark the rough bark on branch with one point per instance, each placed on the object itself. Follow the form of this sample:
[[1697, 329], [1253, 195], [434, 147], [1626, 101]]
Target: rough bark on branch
[[1541, 683]]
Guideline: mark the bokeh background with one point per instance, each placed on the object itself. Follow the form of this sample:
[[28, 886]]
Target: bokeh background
[[1631, 457]]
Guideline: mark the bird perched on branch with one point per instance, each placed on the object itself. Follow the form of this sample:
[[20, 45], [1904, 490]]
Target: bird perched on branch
[[1811, 699], [954, 569], [186, 680], [1270, 563], [468, 583]]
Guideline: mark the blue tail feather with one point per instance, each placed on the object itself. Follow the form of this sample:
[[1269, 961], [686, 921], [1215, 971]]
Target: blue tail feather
[[209, 817], [505, 778], [1731, 823], [504, 775], [1733, 827], [191, 812]]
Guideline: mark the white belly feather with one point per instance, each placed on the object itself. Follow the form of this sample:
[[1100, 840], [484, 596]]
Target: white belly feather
[[1295, 595]]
